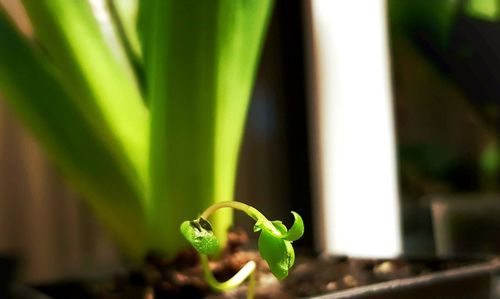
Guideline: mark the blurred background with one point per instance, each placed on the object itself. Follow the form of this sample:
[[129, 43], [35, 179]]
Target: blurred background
[[444, 58]]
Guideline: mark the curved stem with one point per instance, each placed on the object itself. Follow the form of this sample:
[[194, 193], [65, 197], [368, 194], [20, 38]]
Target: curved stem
[[247, 271], [249, 210], [251, 284]]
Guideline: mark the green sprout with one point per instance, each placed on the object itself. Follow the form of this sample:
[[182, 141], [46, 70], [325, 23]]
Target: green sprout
[[275, 244]]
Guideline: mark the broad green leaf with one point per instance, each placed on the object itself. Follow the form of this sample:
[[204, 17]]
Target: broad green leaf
[[127, 14], [124, 14], [200, 59], [241, 30], [277, 252], [200, 235], [81, 43], [81, 97], [488, 10], [31, 86]]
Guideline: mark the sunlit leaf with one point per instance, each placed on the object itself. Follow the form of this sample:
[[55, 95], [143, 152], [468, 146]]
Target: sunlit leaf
[[488, 10], [200, 58], [81, 89], [127, 14], [78, 37], [277, 252], [32, 87]]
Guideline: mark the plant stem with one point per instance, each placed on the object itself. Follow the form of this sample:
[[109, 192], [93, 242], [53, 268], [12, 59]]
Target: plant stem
[[247, 271], [249, 210], [251, 284]]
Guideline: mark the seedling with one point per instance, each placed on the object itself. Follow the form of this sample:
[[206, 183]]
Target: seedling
[[275, 244]]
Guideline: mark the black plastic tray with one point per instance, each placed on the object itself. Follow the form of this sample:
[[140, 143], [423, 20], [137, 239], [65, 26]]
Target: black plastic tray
[[475, 281]]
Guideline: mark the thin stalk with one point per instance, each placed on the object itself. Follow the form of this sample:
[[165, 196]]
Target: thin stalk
[[252, 281], [247, 271], [249, 210]]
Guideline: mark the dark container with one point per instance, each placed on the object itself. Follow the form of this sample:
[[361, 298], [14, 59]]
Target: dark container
[[475, 281], [7, 273]]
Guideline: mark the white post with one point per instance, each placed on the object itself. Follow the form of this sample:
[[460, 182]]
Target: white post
[[353, 124]]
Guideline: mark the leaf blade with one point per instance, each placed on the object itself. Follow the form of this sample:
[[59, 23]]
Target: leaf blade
[[81, 43], [191, 48], [277, 252], [32, 88]]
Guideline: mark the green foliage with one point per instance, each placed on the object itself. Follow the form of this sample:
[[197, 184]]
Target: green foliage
[[141, 103], [432, 20], [195, 138], [33, 87], [277, 251], [275, 245], [98, 75], [297, 229], [275, 240], [488, 10], [200, 235]]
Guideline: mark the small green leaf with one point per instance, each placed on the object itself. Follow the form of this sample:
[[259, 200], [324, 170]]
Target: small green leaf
[[258, 226], [294, 233], [200, 235], [277, 252], [297, 229], [276, 249], [265, 225], [279, 225]]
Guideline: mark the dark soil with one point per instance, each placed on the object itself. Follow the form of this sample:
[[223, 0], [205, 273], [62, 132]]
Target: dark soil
[[182, 277]]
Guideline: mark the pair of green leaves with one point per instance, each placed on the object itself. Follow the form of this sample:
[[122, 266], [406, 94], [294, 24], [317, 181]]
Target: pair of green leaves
[[277, 249], [275, 241]]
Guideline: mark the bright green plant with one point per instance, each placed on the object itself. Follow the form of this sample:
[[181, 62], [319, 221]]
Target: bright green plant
[[140, 103], [275, 244]]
